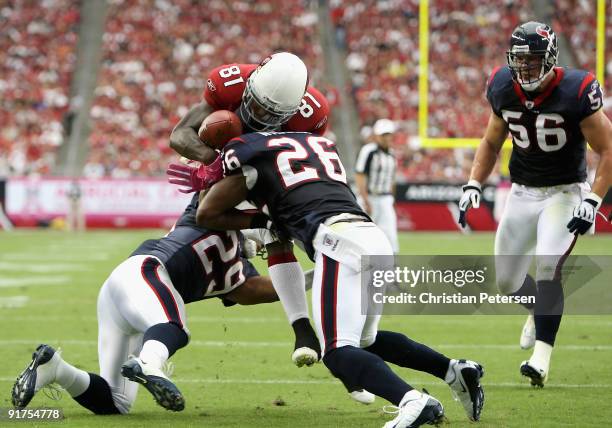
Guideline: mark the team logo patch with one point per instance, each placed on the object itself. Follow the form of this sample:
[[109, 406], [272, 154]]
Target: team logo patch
[[542, 31], [529, 104], [330, 242], [211, 85]]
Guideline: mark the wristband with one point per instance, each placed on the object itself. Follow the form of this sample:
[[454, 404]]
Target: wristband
[[595, 198], [473, 184]]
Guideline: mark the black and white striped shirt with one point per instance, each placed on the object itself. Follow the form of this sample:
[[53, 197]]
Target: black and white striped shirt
[[379, 167]]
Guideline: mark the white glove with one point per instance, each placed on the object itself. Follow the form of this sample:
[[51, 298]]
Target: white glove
[[472, 192], [263, 237], [584, 215], [249, 248]]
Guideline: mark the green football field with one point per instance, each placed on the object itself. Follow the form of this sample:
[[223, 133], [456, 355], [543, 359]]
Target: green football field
[[237, 369]]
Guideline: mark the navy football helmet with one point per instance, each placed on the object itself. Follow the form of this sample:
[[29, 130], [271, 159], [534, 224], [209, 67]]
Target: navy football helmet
[[533, 54]]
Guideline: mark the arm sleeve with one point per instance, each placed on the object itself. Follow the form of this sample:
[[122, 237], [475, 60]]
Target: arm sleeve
[[313, 115], [225, 85], [590, 97], [490, 92], [240, 157]]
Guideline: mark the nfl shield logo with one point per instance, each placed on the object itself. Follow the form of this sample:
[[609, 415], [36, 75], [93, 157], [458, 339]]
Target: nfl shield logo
[[529, 104]]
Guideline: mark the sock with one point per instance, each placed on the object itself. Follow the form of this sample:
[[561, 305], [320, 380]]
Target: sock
[[527, 289], [355, 366], [161, 341], [288, 281], [305, 335], [400, 350], [73, 380], [97, 397], [154, 352], [541, 355], [548, 310]]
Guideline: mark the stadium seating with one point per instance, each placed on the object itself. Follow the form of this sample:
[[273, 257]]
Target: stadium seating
[[156, 56], [37, 59], [155, 61]]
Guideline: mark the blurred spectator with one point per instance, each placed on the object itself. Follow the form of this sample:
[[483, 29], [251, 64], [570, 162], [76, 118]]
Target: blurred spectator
[[37, 58], [156, 58]]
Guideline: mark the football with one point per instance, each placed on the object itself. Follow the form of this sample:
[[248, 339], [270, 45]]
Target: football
[[219, 127]]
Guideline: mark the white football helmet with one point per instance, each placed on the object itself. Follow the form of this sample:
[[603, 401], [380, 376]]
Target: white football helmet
[[273, 92]]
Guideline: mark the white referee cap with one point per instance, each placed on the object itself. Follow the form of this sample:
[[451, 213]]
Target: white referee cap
[[384, 126]]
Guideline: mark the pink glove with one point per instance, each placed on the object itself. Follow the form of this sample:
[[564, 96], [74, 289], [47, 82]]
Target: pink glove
[[195, 179]]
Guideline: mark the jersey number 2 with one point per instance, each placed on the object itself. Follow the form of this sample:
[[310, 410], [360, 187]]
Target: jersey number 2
[[296, 152]]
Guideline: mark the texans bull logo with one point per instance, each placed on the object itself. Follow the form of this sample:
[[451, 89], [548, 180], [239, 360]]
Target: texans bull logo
[[543, 31]]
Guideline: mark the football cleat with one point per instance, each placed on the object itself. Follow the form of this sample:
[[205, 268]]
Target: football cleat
[[304, 356], [466, 388], [38, 374], [415, 409], [536, 375], [156, 382], [528, 335], [362, 396], [307, 349]]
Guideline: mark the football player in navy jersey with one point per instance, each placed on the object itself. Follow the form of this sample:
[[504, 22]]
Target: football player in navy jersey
[[299, 184], [551, 113], [141, 313]]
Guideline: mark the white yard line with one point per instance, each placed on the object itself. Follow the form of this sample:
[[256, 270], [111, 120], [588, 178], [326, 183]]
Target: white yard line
[[64, 256], [33, 281], [335, 382], [190, 320], [42, 267], [13, 301], [255, 344]]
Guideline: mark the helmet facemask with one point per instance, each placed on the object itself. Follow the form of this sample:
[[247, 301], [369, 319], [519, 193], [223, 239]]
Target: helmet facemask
[[259, 113], [530, 69]]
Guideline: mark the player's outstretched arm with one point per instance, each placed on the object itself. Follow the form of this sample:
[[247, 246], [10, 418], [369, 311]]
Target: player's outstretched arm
[[216, 210], [184, 137], [488, 150], [484, 161], [597, 130], [256, 289]]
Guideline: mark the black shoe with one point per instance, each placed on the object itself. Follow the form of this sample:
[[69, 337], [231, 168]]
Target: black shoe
[[25, 385], [536, 376], [163, 390]]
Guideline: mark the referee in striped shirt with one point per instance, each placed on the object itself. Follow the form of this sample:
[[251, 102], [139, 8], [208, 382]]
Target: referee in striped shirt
[[375, 179]]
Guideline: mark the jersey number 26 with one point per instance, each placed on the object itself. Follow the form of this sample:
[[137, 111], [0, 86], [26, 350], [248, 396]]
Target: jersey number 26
[[292, 173]]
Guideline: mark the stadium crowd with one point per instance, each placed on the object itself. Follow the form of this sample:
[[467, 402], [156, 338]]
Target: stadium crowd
[[37, 58], [155, 56]]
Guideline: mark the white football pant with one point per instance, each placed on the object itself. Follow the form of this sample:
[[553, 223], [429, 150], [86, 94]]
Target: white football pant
[[535, 222], [137, 295], [336, 292]]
